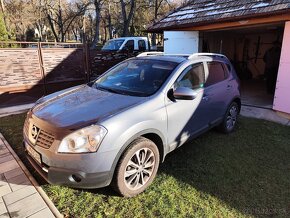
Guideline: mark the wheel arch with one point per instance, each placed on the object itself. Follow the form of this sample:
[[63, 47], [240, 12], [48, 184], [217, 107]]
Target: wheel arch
[[238, 101], [151, 134]]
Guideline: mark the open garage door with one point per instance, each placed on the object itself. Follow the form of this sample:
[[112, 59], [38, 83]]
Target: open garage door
[[247, 47], [282, 94]]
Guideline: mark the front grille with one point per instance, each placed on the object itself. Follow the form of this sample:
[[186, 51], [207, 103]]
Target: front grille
[[44, 139]]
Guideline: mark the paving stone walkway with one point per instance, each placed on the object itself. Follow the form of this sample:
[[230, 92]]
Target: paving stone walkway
[[18, 196]]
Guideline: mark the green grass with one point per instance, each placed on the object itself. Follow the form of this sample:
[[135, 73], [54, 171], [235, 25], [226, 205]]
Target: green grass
[[244, 174]]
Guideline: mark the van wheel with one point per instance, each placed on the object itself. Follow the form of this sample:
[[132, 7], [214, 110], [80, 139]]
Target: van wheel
[[230, 119], [137, 168]]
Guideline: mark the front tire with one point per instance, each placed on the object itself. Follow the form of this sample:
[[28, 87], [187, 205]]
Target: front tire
[[230, 119], [137, 167]]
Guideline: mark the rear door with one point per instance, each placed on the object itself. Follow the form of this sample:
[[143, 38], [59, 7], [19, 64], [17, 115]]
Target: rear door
[[217, 90]]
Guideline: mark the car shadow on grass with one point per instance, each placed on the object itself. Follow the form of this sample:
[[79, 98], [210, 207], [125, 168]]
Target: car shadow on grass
[[249, 172]]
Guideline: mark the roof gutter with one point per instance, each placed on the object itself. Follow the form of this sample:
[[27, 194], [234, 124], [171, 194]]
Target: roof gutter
[[152, 29]]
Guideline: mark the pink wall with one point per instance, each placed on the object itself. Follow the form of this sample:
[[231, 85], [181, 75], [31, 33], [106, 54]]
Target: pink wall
[[282, 93]]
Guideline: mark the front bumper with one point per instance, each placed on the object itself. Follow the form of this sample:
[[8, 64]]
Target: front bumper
[[68, 176]]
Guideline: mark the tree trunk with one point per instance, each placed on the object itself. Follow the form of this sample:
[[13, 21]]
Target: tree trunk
[[110, 22], [2, 6], [39, 28], [110, 26], [52, 27], [156, 7], [75, 33], [98, 4], [127, 20], [60, 23], [5, 18], [105, 31]]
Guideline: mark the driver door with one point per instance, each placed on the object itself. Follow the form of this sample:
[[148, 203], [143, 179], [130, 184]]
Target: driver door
[[187, 118]]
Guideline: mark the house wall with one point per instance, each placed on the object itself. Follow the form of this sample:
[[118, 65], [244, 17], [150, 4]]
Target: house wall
[[181, 42], [282, 99]]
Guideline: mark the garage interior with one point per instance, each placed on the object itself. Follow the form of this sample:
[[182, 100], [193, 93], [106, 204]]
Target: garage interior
[[246, 47]]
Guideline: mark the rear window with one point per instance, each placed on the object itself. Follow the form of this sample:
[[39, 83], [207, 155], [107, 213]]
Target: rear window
[[216, 73], [192, 77]]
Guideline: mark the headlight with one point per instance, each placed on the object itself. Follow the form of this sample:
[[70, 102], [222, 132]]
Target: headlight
[[84, 140]]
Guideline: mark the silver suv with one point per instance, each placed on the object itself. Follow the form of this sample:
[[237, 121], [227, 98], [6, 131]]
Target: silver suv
[[117, 129]]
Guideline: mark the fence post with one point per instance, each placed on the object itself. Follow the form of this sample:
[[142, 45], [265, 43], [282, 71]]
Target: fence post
[[87, 60], [42, 67]]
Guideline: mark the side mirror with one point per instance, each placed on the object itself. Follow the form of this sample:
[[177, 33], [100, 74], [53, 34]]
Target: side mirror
[[184, 93]]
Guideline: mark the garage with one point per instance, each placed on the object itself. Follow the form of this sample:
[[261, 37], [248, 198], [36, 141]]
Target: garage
[[252, 51], [254, 35]]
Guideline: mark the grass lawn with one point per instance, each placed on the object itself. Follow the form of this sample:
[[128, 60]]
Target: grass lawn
[[244, 174]]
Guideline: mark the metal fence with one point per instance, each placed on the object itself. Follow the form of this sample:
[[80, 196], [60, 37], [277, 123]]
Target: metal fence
[[29, 70], [27, 64]]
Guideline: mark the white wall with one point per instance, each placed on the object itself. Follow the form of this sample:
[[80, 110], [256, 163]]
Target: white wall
[[282, 99], [181, 42]]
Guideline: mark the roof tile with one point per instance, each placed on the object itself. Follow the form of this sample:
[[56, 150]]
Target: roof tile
[[199, 12]]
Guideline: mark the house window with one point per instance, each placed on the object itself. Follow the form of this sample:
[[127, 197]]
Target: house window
[[216, 73], [192, 77]]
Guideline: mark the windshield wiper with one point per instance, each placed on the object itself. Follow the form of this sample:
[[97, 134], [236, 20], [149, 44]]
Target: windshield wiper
[[110, 89]]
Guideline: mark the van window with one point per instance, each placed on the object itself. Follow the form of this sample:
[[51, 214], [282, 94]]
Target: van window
[[130, 45], [192, 77], [141, 45], [216, 73]]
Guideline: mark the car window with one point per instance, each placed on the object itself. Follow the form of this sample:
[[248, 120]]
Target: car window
[[136, 77], [216, 73], [130, 45], [192, 77], [228, 68], [141, 45], [113, 45]]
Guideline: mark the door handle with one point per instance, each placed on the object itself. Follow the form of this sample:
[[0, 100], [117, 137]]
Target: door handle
[[205, 98], [229, 87]]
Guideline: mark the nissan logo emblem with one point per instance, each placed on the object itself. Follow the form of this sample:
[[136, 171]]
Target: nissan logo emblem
[[34, 132]]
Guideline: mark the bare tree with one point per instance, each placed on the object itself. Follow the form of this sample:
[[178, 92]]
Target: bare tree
[[108, 18], [157, 6], [61, 15], [4, 16], [131, 4], [98, 6]]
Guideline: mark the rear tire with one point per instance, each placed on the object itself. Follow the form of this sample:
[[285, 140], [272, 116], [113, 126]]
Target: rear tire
[[137, 167], [230, 119]]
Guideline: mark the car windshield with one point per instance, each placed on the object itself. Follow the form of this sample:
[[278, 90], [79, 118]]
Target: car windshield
[[137, 77], [113, 45]]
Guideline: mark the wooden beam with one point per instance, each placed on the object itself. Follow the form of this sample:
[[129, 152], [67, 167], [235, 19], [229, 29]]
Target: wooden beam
[[240, 23]]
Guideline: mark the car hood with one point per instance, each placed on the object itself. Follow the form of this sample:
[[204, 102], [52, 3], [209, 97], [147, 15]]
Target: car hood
[[82, 106]]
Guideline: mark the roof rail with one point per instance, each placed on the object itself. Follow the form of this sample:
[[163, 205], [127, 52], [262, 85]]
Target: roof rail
[[207, 54], [143, 54]]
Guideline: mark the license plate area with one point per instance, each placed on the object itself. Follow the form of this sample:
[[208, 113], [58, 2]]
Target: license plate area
[[34, 154]]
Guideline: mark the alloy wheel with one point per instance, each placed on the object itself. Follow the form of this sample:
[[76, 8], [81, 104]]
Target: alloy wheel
[[139, 168], [232, 117]]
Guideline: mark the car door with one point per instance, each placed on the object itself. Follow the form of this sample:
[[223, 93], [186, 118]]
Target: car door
[[187, 117], [217, 90]]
